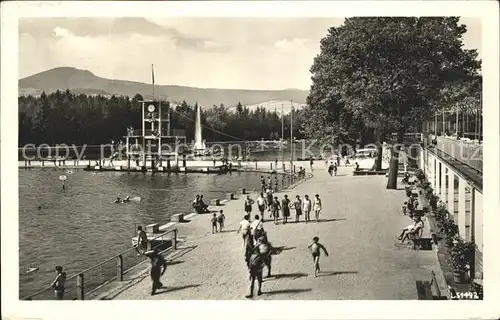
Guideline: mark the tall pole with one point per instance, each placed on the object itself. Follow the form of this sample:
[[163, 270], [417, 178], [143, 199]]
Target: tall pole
[[456, 124], [436, 124], [443, 123], [291, 137], [282, 135], [153, 80]]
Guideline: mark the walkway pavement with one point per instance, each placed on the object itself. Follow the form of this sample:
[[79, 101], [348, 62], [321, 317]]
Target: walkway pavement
[[359, 224]]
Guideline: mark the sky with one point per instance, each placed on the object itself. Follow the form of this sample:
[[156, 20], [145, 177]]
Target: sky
[[231, 53]]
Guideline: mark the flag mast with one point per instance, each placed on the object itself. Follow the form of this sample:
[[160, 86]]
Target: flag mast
[[282, 136], [153, 80], [291, 137]]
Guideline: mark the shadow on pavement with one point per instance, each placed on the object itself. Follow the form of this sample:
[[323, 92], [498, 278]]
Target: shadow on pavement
[[171, 289], [335, 273], [223, 231], [174, 262], [331, 220], [286, 291], [289, 275]]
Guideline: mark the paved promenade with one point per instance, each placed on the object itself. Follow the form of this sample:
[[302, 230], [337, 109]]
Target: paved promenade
[[358, 226]]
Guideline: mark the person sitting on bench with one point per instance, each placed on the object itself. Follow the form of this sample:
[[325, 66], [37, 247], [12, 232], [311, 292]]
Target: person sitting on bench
[[412, 229]]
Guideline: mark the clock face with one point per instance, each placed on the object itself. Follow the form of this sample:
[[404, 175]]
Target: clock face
[[151, 108]]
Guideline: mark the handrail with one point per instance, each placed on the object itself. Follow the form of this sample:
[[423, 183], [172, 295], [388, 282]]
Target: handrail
[[79, 275]]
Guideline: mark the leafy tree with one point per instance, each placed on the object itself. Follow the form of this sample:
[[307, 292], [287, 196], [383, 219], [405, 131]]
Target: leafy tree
[[389, 72]]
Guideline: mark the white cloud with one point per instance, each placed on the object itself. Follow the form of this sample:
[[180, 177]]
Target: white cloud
[[60, 32], [287, 45]]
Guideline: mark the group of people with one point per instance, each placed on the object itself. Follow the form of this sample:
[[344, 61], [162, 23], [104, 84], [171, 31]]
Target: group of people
[[413, 230], [274, 206], [218, 221], [200, 206]]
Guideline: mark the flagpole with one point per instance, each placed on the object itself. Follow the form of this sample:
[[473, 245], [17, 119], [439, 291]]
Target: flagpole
[[282, 135], [291, 137], [153, 79]]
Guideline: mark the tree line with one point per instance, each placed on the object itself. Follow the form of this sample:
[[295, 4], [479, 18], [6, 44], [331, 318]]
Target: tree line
[[64, 117]]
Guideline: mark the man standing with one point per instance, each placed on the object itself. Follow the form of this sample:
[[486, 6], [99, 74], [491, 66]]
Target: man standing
[[256, 225], [261, 204], [58, 283], [157, 264]]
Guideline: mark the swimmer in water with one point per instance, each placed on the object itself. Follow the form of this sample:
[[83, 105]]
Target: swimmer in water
[[127, 199], [117, 200], [316, 248]]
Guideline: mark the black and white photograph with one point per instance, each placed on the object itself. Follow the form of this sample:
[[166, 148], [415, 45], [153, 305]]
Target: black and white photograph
[[249, 154]]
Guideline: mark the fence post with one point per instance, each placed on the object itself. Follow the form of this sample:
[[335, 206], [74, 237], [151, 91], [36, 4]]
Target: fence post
[[119, 268], [79, 287], [175, 239], [271, 166], [255, 165], [283, 167]]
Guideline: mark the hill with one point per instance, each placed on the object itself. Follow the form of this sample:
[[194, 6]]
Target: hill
[[275, 105], [83, 81]]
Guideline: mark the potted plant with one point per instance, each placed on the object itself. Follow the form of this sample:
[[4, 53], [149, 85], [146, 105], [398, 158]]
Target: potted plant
[[441, 214], [461, 256], [450, 229], [433, 200], [408, 191]]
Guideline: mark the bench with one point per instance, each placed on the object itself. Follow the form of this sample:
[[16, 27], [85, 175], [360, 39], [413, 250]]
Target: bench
[[423, 239], [215, 202], [152, 228], [179, 217], [424, 289], [230, 196]]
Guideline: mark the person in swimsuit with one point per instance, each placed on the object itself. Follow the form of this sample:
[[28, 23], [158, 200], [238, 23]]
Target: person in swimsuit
[[276, 184], [316, 248], [58, 283], [261, 204], [214, 223], [142, 240], [221, 218], [118, 200], [317, 207], [307, 208], [269, 201], [248, 205]]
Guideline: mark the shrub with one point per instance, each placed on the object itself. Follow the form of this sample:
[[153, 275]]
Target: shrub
[[408, 191], [441, 215], [433, 200], [420, 175], [462, 255]]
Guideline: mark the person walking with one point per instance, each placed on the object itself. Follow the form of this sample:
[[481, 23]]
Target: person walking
[[285, 208], [59, 283], [276, 184], [269, 201], [276, 207], [317, 207], [256, 226], [307, 208], [220, 219], [262, 184], [311, 163], [335, 169], [316, 248], [261, 204], [244, 228], [214, 223], [298, 208], [248, 205], [158, 268]]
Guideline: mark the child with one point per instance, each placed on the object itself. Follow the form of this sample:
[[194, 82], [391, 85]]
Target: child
[[214, 223], [221, 219], [316, 248]]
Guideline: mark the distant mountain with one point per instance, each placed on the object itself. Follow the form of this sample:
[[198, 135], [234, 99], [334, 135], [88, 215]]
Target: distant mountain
[[83, 81], [275, 105]]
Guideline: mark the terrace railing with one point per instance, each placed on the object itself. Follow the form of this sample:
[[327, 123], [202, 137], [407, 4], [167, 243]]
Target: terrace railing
[[115, 268], [469, 153]]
